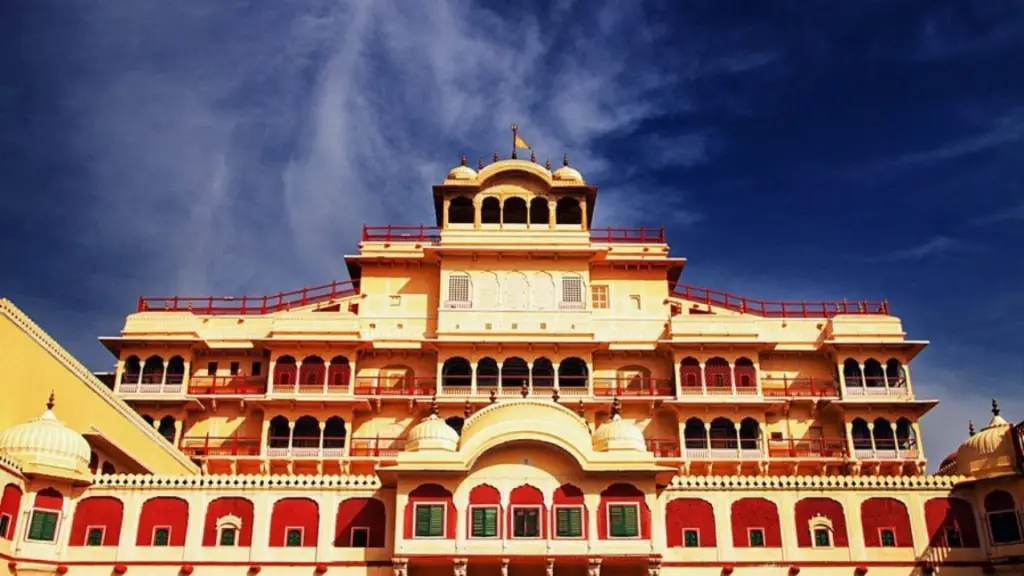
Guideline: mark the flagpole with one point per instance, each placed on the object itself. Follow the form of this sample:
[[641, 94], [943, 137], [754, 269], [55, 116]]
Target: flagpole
[[515, 135]]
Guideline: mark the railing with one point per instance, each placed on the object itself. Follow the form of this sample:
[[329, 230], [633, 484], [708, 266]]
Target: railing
[[808, 448], [877, 391], [245, 305], [630, 387], [722, 451], [393, 233], [227, 385], [718, 391], [220, 446], [378, 447], [663, 447], [885, 449], [778, 309], [395, 386], [134, 383], [786, 387], [332, 447], [638, 235]]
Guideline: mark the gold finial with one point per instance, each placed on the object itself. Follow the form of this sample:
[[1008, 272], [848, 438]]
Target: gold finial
[[462, 161], [480, 164], [970, 427], [555, 396], [51, 402], [496, 157], [995, 407], [468, 410], [435, 410], [565, 159], [581, 409], [533, 156], [525, 390], [547, 164], [494, 396], [616, 408]]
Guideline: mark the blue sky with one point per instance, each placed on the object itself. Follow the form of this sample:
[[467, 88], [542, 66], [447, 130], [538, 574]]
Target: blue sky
[[793, 150]]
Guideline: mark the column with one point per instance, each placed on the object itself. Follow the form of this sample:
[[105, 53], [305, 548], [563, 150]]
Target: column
[[678, 379], [703, 380], [447, 208], [555, 366], [291, 436], [178, 424], [732, 377], [322, 424], [261, 550], [349, 418], [917, 440], [298, 375], [739, 441], [529, 378], [327, 377], [854, 528], [590, 381], [842, 379], [438, 386], [196, 520], [476, 213], [265, 441], [863, 380], [472, 378], [849, 441], [707, 435], [885, 376], [352, 374], [163, 377], [906, 378], [762, 441], [874, 448], [788, 527], [552, 210], [500, 386], [186, 378], [757, 376], [583, 211], [270, 375], [326, 529]]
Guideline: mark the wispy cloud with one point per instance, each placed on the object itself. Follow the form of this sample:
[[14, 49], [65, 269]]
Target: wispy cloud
[[1011, 213], [933, 247]]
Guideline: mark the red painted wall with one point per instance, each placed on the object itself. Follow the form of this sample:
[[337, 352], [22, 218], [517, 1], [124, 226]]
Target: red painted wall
[[527, 495], [940, 513], [690, 513], [483, 495], [294, 513], [97, 511], [808, 508], [361, 512], [619, 493], [224, 507], [10, 503], [879, 513], [567, 494], [163, 511], [755, 513], [49, 499], [429, 493]]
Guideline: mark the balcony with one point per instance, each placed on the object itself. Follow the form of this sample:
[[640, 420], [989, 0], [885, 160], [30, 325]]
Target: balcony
[[249, 305], [379, 447], [398, 233], [220, 446], [786, 387], [135, 383], [874, 390], [719, 391], [628, 235], [722, 449], [395, 387], [777, 309], [227, 386], [885, 450], [812, 448], [311, 389], [330, 447], [634, 388]]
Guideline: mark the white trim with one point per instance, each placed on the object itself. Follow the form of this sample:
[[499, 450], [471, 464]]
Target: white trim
[[352, 536], [821, 523], [540, 521], [8, 527], [302, 536], [697, 531], [608, 521], [229, 520], [444, 519], [554, 521], [152, 536], [764, 537], [497, 517], [90, 528], [56, 528]]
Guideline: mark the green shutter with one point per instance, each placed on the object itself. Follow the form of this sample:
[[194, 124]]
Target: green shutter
[[623, 520], [294, 538], [569, 523], [436, 521], [94, 538], [485, 522], [161, 537], [422, 521], [757, 538], [227, 537], [43, 526], [691, 539]]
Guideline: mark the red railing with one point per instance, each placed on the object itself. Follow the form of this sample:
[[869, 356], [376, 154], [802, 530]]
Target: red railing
[[638, 235], [227, 385], [243, 305], [627, 387], [778, 309], [393, 233], [395, 386], [785, 387], [813, 448], [663, 447], [378, 447], [223, 446]]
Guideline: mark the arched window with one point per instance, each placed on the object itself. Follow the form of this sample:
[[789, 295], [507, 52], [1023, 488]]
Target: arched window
[[361, 523], [294, 523], [874, 375], [339, 374], [514, 373], [278, 433], [570, 512], [285, 371], [460, 290], [166, 428], [456, 371], [312, 373], [132, 370], [487, 373], [820, 523], [455, 423], [723, 434], [750, 434], [568, 211], [690, 523], [108, 468], [895, 373], [306, 437], [746, 374], [1001, 514], [623, 514], [755, 524], [543, 373], [163, 522], [94, 462], [718, 375], [539, 212], [542, 291], [885, 438], [861, 435], [97, 522], [516, 293], [487, 290], [176, 370], [153, 370], [10, 507], [694, 435], [906, 438], [572, 373], [527, 516], [515, 211], [228, 522], [852, 374], [334, 437], [490, 211], [951, 523], [45, 515], [460, 210], [886, 523], [689, 375], [430, 513]]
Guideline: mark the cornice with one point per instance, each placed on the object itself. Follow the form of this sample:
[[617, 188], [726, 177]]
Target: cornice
[[11, 465], [236, 481], [895, 483]]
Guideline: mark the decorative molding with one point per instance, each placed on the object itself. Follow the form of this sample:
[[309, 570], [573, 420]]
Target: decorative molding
[[817, 482], [236, 481], [12, 465]]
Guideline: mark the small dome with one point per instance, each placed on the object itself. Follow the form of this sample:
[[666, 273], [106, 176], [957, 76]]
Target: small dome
[[462, 172], [566, 173], [46, 441], [617, 434], [990, 452], [432, 433]]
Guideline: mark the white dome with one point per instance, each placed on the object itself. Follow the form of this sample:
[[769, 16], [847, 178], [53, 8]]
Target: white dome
[[46, 441], [462, 172], [617, 434], [990, 452], [566, 173], [432, 433]]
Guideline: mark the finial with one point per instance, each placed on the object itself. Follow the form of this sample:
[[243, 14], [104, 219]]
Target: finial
[[51, 402], [995, 407], [547, 164], [525, 390], [555, 396], [533, 157], [970, 427], [494, 396], [616, 408], [479, 163], [496, 157], [462, 161], [435, 410], [565, 159], [468, 410], [581, 410]]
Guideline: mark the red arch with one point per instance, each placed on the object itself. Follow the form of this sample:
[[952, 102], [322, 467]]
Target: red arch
[[527, 495], [808, 508], [889, 513], [364, 513], [690, 514], [163, 511], [49, 499], [430, 493], [97, 512], [483, 495], [943, 513], [570, 495], [10, 504], [230, 506], [618, 494], [300, 513], [761, 513]]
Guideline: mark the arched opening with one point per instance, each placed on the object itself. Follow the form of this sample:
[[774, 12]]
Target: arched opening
[[852, 374], [490, 211], [746, 375], [455, 423], [306, 437], [108, 468], [339, 374], [334, 437], [539, 212], [294, 523], [487, 291], [694, 435], [906, 438], [456, 371], [895, 373], [572, 373], [1001, 514], [861, 435], [689, 376], [278, 432], [718, 375], [176, 370], [285, 371], [543, 373], [874, 375], [514, 373], [633, 380], [460, 210], [132, 370], [153, 370], [750, 434], [166, 428], [885, 439], [312, 373], [487, 374], [515, 211], [723, 434], [398, 379], [361, 523], [542, 291], [568, 211]]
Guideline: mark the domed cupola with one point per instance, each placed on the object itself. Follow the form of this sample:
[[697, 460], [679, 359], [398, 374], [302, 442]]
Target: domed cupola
[[990, 452], [567, 173], [462, 172], [46, 446], [618, 435], [432, 434]]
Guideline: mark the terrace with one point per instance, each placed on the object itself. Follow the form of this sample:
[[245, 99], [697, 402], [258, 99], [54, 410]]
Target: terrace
[[777, 308]]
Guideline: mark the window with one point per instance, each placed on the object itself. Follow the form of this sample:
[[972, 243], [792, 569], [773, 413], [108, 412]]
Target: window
[[777, 436], [235, 366], [211, 369], [569, 522], [43, 526], [953, 539], [691, 538], [484, 523], [1004, 528], [755, 537], [526, 523], [599, 296], [360, 537], [257, 368], [458, 291], [888, 537], [623, 520], [293, 537], [94, 536], [228, 536], [430, 520], [572, 291], [161, 536], [822, 538], [5, 522]]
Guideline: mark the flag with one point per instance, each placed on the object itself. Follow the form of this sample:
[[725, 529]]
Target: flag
[[521, 144]]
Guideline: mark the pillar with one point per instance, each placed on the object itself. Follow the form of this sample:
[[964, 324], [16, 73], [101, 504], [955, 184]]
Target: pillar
[[322, 424], [583, 212], [186, 377], [757, 376], [265, 441], [842, 379], [298, 377], [472, 378], [732, 377], [444, 214], [196, 519], [552, 209], [555, 365], [352, 374], [178, 425], [126, 548], [739, 440], [439, 388], [678, 379], [163, 377], [261, 550], [291, 436], [849, 441], [874, 448], [906, 377], [529, 378], [327, 373], [703, 380], [917, 439], [707, 435], [270, 375]]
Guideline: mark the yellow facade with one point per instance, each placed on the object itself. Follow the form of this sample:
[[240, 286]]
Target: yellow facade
[[508, 392]]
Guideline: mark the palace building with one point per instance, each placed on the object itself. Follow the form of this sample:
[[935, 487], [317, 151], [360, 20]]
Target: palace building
[[508, 391]]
